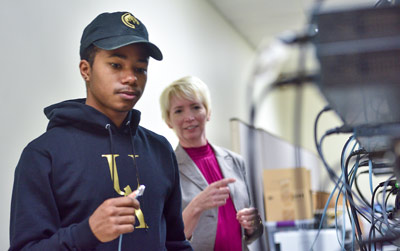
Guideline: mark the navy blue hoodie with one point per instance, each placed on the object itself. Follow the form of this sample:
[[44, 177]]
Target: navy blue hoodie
[[66, 173]]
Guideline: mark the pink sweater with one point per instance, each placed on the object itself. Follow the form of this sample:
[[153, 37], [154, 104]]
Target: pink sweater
[[228, 229]]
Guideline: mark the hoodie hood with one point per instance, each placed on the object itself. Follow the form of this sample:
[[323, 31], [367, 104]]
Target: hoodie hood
[[76, 113]]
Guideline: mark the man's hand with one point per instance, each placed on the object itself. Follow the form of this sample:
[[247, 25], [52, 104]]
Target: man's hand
[[114, 217]]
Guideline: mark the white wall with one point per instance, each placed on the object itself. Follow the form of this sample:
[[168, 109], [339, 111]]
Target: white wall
[[39, 66]]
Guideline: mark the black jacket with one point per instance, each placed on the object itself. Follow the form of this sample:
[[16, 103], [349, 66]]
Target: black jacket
[[66, 173]]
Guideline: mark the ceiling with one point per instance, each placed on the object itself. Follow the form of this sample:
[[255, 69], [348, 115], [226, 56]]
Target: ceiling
[[256, 20]]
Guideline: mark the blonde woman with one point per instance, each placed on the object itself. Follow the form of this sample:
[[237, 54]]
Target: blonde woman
[[215, 198]]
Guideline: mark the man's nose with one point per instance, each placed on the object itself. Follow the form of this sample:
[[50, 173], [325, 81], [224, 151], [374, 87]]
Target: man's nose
[[129, 77]]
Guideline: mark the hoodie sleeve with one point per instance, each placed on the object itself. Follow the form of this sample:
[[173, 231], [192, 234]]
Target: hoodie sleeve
[[35, 222], [173, 213]]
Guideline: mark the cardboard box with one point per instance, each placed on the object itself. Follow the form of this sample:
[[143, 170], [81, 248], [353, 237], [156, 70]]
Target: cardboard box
[[320, 199], [287, 194]]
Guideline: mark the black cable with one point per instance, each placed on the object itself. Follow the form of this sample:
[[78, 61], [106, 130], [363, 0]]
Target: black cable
[[349, 212], [394, 189], [341, 129], [331, 173], [387, 198], [372, 230], [349, 193], [384, 3], [397, 201], [359, 212], [288, 80], [358, 188], [378, 3], [387, 237], [317, 145]]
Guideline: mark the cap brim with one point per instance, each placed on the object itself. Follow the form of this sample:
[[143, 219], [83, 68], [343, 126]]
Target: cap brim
[[113, 43]]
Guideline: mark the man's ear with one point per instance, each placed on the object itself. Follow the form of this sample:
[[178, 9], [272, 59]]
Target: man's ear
[[84, 68]]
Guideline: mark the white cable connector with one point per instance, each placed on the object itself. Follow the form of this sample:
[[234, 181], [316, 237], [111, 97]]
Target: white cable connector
[[140, 191]]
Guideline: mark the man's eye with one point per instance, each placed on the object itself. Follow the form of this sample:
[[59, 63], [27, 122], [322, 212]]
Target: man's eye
[[141, 70], [116, 66]]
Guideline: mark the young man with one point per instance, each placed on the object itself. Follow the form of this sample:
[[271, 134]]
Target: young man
[[73, 185]]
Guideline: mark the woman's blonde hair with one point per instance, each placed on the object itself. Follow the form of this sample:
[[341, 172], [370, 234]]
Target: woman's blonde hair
[[189, 87]]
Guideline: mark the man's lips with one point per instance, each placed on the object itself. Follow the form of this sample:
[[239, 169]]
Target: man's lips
[[126, 94]]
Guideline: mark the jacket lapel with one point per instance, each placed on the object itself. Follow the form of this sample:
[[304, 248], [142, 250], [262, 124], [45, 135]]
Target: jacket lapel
[[225, 164], [188, 168]]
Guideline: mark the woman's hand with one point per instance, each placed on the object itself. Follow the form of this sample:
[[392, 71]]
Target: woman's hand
[[249, 219], [215, 195]]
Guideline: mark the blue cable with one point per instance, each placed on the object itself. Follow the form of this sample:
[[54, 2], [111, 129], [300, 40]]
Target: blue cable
[[353, 227], [353, 170], [344, 219], [342, 177], [370, 187], [370, 176], [140, 192], [345, 195], [120, 243], [325, 210], [323, 216], [336, 223]]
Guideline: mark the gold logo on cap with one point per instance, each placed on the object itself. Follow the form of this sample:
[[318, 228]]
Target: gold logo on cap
[[129, 20]]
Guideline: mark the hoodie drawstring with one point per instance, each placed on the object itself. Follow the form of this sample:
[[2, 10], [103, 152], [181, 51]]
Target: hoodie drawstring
[[108, 127], [133, 152], [135, 166]]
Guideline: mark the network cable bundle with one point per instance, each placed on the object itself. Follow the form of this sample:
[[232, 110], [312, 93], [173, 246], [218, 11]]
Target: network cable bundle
[[359, 54], [358, 51]]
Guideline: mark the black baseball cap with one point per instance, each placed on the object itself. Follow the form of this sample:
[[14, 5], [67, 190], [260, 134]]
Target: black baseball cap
[[109, 31]]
